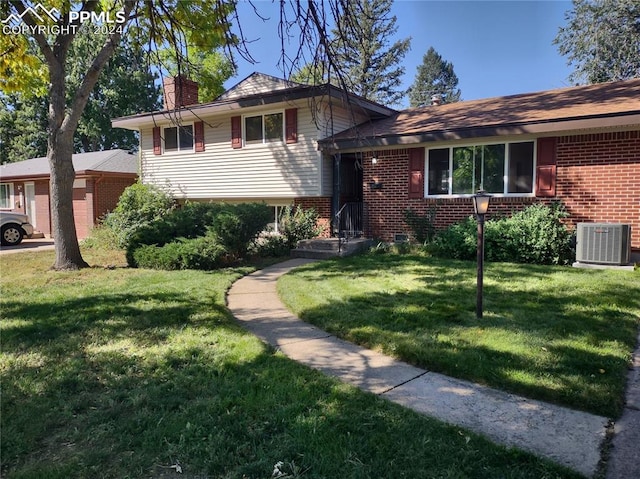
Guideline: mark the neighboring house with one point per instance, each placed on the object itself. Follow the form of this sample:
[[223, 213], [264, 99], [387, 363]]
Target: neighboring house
[[578, 145], [101, 177], [280, 142], [256, 142]]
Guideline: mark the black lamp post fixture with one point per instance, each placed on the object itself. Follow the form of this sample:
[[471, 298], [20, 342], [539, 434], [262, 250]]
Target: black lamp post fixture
[[480, 205]]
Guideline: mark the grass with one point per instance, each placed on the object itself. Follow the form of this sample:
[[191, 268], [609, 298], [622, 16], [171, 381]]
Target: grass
[[111, 372], [559, 334]]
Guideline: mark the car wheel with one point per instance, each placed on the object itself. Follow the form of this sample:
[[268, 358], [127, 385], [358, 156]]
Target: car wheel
[[11, 235]]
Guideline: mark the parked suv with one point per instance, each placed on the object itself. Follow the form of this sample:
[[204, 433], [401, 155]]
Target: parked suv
[[14, 227]]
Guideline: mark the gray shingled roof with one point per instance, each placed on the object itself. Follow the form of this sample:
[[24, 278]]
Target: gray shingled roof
[[108, 161]]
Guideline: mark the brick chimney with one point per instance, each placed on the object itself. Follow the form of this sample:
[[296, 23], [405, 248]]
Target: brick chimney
[[178, 92]]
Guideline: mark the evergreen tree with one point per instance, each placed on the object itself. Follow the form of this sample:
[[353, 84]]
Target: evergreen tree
[[310, 74], [602, 40], [370, 65], [434, 77]]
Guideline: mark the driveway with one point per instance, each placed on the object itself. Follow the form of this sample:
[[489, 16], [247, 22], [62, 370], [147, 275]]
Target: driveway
[[37, 244]]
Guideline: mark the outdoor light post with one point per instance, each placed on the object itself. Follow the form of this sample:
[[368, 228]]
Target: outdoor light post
[[480, 205]]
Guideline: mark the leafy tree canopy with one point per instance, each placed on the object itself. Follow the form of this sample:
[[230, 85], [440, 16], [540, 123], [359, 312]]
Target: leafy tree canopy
[[602, 40], [209, 68], [36, 58]]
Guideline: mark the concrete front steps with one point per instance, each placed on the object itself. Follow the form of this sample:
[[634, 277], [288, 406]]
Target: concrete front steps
[[323, 248]]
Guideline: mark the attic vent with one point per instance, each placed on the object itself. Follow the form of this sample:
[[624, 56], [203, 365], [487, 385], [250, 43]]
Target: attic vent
[[603, 243]]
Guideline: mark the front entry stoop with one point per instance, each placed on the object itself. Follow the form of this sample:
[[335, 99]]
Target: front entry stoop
[[323, 248]]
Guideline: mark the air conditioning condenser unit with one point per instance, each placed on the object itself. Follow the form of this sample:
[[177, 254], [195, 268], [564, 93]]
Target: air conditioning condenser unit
[[603, 243]]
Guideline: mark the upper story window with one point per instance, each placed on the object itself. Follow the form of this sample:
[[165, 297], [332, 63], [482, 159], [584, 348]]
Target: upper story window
[[178, 138], [266, 128], [501, 168], [6, 194]]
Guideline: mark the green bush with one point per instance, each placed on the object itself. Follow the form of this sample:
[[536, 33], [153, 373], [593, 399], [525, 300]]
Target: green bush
[[189, 221], [458, 241], [271, 246], [236, 227], [296, 224], [138, 206], [200, 253], [534, 235], [233, 227], [421, 225]]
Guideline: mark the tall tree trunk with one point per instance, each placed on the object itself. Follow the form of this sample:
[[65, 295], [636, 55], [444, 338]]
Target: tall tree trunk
[[67, 249], [59, 154]]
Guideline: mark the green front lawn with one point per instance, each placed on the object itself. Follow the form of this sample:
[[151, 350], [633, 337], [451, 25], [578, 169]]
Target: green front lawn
[[553, 333], [123, 373]]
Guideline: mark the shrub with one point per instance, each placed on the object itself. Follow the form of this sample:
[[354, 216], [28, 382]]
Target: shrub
[[236, 227], [458, 241], [533, 235], [421, 225], [536, 235], [233, 227], [296, 224], [102, 237], [189, 221], [200, 253], [271, 246], [138, 206]]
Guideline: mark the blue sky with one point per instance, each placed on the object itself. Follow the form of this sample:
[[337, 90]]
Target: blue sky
[[497, 47]]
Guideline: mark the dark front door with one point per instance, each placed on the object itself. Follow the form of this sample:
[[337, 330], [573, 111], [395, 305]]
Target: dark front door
[[351, 207]]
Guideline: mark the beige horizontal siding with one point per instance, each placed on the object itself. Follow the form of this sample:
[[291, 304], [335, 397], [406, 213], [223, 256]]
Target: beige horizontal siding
[[254, 171]]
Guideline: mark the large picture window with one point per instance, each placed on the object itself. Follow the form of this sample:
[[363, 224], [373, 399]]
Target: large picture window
[[501, 168], [267, 128], [178, 138]]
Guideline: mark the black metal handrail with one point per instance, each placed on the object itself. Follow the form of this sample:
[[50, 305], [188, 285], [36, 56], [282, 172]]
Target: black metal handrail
[[350, 221]]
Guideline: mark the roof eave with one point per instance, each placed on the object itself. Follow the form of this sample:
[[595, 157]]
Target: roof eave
[[538, 128], [197, 111]]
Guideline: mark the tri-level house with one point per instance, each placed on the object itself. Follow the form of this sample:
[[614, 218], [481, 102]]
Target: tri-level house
[[361, 165], [256, 142]]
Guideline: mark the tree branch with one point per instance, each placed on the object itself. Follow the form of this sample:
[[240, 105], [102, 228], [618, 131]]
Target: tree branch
[[82, 94]]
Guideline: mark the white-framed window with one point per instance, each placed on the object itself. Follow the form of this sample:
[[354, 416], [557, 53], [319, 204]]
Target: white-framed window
[[277, 210], [6, 196], [498, 168], [264, 128], [178, 138]]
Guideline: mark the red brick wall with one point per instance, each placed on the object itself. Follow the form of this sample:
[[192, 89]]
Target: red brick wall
[[323, 206], [108, 192], [386, 205], [598, 180], [80, 212], [179, 91]]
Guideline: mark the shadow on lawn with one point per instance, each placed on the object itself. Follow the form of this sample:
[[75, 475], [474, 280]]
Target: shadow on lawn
[[567, 345], [109, 386], [109, 316]]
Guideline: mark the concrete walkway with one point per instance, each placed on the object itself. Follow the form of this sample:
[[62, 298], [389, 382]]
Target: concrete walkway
[[568, 437]]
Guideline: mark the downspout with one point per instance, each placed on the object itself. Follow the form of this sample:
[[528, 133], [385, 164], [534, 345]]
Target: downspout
[[95, 199]]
